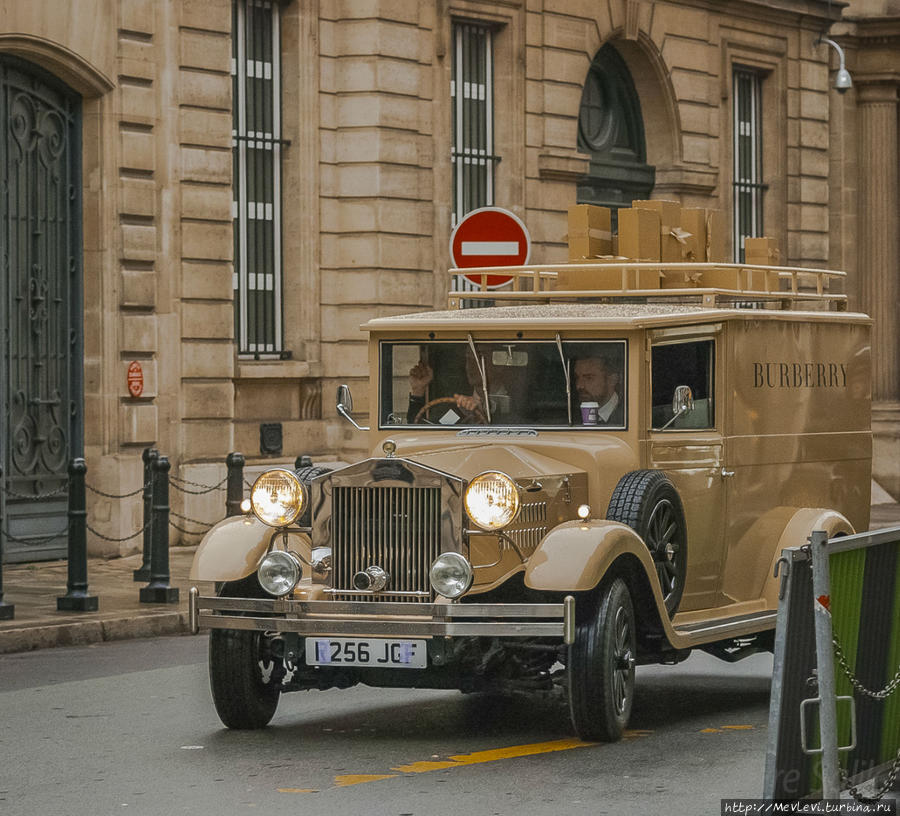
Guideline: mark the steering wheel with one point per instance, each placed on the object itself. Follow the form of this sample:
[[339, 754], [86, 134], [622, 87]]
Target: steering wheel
[[475, 417]]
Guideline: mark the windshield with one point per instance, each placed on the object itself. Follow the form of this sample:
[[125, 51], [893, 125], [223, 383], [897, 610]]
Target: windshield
[[535, 384]]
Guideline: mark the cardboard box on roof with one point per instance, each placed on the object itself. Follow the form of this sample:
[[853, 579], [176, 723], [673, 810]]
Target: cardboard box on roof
[[639, 234], [693, 220], [762, 252], [590, 231], [606, 274], [716, 251], [673, 243]]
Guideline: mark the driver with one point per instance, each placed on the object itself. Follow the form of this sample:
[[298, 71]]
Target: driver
[[420, 377]]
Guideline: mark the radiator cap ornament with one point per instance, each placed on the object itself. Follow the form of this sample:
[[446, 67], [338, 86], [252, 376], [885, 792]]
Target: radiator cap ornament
[[389, 447]]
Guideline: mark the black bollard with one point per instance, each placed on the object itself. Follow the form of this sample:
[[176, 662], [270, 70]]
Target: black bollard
[[149, 456], [158, 590], [234, 493], [76, 598], [7, 610]]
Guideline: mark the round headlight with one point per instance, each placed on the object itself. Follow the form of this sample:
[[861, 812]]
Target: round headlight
[[451, 575], [492, 500], [279, 572], [277, 497]]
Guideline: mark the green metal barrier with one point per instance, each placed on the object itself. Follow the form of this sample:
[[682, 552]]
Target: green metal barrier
[[837, 669]]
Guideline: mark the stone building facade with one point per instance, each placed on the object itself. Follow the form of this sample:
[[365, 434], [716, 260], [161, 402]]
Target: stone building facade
[[257, 178]]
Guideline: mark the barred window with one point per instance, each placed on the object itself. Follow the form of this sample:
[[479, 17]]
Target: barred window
[[256, 206], [471, 94], [748, 183]]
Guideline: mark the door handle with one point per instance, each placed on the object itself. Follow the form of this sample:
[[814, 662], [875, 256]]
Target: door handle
[[725, 474]]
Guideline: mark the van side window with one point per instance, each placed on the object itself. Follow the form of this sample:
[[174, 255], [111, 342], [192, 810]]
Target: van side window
[[689, 364]]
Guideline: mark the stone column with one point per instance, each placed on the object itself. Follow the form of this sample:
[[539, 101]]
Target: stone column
[[878, 233], [879, 268]]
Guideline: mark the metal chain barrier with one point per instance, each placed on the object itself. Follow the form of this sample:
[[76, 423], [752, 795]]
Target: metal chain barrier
[[886, 692], [185, 531], [879, 793], [118, 540], [174, 481], [42, 540], [205, 524], [48, 495], [141, 489]]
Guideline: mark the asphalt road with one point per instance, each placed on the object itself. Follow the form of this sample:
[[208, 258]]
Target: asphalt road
[[129, 728]]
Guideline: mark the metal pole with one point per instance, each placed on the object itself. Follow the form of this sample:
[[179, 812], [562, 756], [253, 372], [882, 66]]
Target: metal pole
[[149, 456], [7, 610], [76, 598], [158, 590], [831, 782], [234, 493]]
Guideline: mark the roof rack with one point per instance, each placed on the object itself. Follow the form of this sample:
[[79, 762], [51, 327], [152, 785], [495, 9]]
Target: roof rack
[[710, 284]]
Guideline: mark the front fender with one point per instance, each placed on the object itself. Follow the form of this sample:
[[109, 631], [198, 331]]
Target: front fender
[[575, 556], [231, 549], [796, 533]]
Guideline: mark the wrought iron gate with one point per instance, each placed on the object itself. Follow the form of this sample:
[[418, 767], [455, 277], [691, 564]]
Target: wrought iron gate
[[40, 306]]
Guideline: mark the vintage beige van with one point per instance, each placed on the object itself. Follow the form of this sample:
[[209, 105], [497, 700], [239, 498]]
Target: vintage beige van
[[562, 485]]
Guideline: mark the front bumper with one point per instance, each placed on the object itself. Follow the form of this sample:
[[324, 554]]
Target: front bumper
[[382, 619]]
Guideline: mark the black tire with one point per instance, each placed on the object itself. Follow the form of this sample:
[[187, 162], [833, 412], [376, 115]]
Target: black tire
[[242, 698], [306, 475], [244, 694], [648, 502], [600, 672]]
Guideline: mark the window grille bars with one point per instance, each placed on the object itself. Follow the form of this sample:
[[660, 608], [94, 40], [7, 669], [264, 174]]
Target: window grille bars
[[257, 151], [472, 100], [748, 186]]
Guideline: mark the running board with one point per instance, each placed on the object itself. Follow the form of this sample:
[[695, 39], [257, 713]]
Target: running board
[[696, 634]]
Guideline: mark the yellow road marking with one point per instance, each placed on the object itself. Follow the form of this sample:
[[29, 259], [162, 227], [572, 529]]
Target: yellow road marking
[[345, 780], [493, 755], [738, 727], [461, 760], [710, 731]]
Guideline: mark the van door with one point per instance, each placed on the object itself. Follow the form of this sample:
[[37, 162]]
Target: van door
[[688, 445]]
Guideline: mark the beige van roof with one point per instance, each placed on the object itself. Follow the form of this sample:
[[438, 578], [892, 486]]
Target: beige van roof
[[593, 315]]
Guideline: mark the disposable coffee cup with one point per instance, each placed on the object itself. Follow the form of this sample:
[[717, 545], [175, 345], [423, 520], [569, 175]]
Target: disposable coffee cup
[[589, 413]]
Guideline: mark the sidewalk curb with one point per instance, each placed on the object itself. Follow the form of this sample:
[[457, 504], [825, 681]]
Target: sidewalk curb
[[81, 633]]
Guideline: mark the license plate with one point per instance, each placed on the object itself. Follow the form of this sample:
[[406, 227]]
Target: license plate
[[374, 652]]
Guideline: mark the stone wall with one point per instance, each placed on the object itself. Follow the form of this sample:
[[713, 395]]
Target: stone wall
[[366, 191]]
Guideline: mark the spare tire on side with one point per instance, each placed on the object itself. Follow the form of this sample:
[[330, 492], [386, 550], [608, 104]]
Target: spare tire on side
[[647, 501], [306, 475]]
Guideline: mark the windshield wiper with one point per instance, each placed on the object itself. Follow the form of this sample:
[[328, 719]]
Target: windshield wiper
[[565, 365], [482, 370]]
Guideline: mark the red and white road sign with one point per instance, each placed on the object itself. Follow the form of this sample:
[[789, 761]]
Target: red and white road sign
[[490, 236]]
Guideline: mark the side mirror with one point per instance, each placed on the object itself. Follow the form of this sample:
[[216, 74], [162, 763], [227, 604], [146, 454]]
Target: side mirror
[[682, 403], [344, 398], [345, 406]]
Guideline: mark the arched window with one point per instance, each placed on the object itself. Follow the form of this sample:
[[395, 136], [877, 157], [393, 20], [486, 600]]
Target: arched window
[[611, 130]]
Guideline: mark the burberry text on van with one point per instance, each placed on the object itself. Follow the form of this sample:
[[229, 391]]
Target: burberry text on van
[[799, 375]]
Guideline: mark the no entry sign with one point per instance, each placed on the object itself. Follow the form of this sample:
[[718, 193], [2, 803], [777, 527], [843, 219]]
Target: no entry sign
[[490, 236]]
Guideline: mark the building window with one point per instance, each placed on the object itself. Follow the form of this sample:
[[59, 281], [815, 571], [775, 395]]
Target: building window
[[471, 95], [748, 183], [611, 130], [256, 207]]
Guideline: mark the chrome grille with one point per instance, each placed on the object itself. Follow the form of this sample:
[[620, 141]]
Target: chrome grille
[[530, 527], [395, 528]]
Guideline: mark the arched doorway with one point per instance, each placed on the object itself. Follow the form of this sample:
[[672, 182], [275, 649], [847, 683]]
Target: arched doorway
[[41, 308], [611, 130]]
